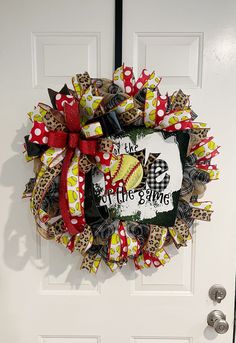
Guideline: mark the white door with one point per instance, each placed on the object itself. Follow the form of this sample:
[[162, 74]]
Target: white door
[[44, 296]]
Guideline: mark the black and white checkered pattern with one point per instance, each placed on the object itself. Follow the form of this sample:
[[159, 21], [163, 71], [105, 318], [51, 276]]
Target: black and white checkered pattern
[[158, 168]]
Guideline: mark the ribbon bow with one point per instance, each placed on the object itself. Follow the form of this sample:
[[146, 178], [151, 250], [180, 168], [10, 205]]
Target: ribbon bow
[[72, 139], [75, 146]]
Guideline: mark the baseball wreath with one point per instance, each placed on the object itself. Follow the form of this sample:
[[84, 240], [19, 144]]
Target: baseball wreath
[[118, 169]]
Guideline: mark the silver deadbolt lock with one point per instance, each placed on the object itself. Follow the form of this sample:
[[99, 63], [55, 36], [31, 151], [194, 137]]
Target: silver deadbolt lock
[[217, 293], [217, 320]]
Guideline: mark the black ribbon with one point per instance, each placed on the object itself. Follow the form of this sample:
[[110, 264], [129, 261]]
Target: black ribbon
[[185, 212], [110, 124], [94, 215], [52, 94], [118, 32], [33, 149], [141, 95]]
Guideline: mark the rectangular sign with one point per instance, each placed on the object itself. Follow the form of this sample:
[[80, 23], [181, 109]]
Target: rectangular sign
[[145, 179]]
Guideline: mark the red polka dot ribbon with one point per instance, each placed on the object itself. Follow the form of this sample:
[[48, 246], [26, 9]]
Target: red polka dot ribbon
[[156, 112], [62, 99], [39, 133], [124, 78]]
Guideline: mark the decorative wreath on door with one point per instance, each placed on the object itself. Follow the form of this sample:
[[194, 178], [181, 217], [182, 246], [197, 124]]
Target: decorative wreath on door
[[119, 169]]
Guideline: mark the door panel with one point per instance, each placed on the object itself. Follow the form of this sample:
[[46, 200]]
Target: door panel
[[192, 45], [180, 56], [44, 296], [44, 43]]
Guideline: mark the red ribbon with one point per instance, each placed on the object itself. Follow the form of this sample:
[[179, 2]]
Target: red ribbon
[[60, 139], [70, 140]]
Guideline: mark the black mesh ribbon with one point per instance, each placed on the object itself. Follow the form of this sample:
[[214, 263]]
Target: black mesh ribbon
[[185, 212], [94, 215], [192, 174]]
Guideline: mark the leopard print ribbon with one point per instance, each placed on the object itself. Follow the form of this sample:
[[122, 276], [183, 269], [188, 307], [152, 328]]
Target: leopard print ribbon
[[43, 182], [156, 239], [201, 214], [180, 233]]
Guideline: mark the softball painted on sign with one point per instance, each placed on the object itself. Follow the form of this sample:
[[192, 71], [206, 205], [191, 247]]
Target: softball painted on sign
[[128, 169]]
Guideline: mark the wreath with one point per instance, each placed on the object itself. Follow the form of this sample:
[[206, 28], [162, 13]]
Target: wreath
[[119, 169]]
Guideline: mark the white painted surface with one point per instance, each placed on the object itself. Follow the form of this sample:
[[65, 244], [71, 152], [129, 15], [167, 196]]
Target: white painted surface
[[179, 55], [44, 296], [57, 55]]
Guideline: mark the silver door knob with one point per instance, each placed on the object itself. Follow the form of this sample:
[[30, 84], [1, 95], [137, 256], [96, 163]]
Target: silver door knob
[[217, 293], [217, 320]]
